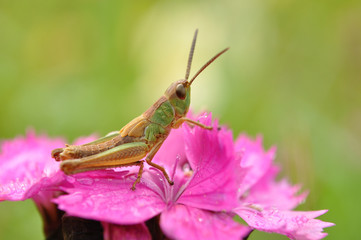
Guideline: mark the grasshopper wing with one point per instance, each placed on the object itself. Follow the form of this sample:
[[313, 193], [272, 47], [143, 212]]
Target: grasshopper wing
[[135, 128]]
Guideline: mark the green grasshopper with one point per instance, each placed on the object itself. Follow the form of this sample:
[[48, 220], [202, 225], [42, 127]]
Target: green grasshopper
[[140, 139]]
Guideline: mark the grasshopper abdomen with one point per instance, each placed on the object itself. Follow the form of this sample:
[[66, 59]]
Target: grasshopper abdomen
[[81, 151]]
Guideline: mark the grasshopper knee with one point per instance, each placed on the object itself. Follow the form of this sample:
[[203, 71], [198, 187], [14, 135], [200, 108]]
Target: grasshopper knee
[[61, 154], [56, 153], [68, 167]]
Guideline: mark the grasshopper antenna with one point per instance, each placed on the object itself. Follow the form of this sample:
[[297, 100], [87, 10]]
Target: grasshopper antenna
[[190, 57], [206, 65]]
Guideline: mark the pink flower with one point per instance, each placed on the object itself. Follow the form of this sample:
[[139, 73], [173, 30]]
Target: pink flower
[[25, 166], [194, 208], [265, 203], [27, 171], [215, 179]]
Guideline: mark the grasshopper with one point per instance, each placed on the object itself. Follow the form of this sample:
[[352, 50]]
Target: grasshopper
[[139, 140]]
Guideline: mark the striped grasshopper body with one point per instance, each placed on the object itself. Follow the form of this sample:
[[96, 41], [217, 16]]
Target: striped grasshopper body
[[139, 140]]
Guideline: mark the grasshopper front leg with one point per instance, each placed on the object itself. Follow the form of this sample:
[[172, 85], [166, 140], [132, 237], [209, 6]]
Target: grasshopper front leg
[[191, 122]]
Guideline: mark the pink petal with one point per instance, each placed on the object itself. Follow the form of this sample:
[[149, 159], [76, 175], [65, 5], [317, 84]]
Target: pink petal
[[172, 149], [255, 162], [182, 222], [106, 196], [126, 232], [272, 194], [210, 154], [294, 224], [26, 166]]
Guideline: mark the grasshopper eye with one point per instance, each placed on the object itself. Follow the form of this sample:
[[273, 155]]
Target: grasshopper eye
[[180, 91]]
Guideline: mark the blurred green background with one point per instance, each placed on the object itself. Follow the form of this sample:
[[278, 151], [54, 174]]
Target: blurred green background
[[293, 74]]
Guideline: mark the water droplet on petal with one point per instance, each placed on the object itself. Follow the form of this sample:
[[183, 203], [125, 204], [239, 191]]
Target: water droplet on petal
[[187, 170], [86, 181], [70, 179], [186, 167], [300, 220], [89, 203], [200, 219], [76, 198]]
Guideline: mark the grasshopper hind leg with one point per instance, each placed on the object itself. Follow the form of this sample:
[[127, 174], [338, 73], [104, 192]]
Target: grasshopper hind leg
[[68, 166], [56, 154], [129, 154]]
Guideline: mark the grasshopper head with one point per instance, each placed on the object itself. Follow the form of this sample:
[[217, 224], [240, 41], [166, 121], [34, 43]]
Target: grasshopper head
[[179, 95], [179, 92]]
